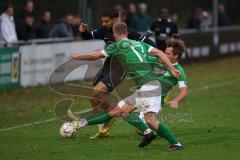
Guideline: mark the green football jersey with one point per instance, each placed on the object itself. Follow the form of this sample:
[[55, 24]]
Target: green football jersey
[[167, 80], [133, 56]]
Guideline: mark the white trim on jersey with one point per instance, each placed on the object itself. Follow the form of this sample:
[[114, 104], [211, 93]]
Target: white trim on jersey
[[104, 53], [150, 49], [143, 38], [182, 84], [92, 33]]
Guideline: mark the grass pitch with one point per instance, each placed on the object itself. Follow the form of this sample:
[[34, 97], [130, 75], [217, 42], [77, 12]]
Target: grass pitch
[[207, 123]]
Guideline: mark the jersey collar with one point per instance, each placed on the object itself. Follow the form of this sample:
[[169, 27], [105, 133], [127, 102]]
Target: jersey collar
[[175, 63]]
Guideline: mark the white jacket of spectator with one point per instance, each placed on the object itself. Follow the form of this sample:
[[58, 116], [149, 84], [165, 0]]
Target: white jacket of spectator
[[8, 29]]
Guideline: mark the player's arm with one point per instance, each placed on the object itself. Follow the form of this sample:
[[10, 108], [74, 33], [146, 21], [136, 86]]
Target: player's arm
[[164, 59], [183, 89], [95, 34], [90, 56], [179, 98]]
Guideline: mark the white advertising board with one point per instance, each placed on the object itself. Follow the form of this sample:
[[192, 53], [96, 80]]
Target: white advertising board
[[39, 61]]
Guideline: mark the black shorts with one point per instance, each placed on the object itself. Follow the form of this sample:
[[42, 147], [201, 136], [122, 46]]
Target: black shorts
[[110, 79]]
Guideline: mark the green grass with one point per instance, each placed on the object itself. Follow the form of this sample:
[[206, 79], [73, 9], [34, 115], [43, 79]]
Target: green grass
[[210, 131]]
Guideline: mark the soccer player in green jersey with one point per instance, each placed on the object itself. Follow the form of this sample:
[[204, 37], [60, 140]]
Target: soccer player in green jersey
[[132, 56], [174, 51]]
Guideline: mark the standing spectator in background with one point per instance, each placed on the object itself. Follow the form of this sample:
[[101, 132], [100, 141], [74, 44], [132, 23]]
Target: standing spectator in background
[[8, 30], [123, 16], [45, 25], [163, 29], [132, 16], [75, 27], [119, 8], [143, 21], [1, 38], [27, 30], [174, 18], [223, 19], [205, 21], [195, 19], [63, 28], [28, 10]]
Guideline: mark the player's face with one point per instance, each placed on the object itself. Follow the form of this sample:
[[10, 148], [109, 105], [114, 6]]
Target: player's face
[[170, 55], [108, 22]]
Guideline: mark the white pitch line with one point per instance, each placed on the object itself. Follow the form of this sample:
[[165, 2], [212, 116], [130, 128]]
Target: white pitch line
[[206, 87], [27, 124]]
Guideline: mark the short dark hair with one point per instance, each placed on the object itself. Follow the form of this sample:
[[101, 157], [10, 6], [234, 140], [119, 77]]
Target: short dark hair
[[120, 28], [177, 45], [9, 5], [111, 13]]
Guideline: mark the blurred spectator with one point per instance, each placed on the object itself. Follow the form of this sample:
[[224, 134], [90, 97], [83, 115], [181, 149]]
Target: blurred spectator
[[205, 21], [143, 21], [63, 28], [8, 30], [27, 30], [174, 18], [123, 16], [75, 27], [28, 10], [163, 28], [1, 38], [223, 19], [119, 8], [44, 26], [132, 16], [195, 19]]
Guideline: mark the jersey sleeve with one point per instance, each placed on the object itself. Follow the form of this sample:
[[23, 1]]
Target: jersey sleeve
[[95, 34], [182, 81], [147, 48], [111, 50]]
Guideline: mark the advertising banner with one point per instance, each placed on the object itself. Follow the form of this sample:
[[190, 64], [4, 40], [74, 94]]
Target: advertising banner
[[39, 61], [9, 68]]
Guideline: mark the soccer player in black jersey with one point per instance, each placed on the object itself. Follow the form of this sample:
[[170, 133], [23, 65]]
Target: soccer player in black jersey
[[103, 83]]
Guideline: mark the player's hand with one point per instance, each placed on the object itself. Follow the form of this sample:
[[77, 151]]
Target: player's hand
[[75, 55], [83, 27], [173, 104], [176, 73]]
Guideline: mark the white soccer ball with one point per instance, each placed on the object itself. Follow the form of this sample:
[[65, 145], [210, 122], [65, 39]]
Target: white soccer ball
[[67, 130]]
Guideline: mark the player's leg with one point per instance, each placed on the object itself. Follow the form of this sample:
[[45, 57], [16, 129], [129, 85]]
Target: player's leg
[[122, 109], [161, 129], [100, 90], [105, 83]]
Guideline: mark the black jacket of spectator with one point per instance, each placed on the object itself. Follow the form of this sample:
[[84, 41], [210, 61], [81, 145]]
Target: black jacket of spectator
[[62, 29], [194, 22], [43, 29], [223, 19], [163, 30], [26, 32]]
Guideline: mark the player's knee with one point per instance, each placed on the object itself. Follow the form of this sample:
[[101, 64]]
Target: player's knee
[[151, 121], [116, 112]]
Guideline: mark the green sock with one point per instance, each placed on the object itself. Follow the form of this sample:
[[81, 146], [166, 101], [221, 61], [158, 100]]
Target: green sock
[[164, 132], [135, 121], [98, 119]]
